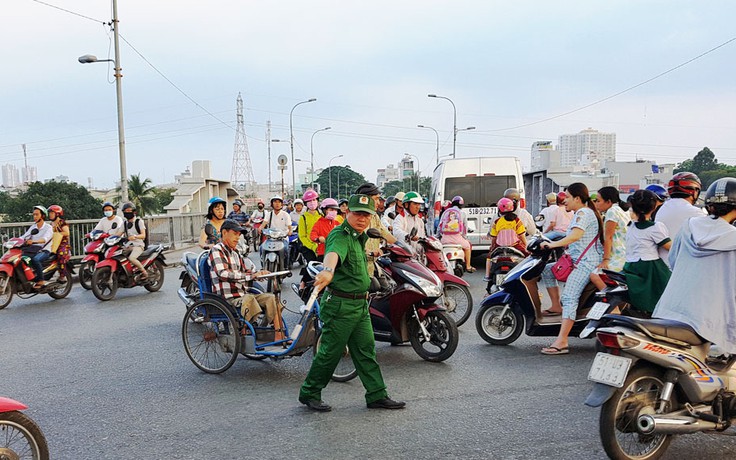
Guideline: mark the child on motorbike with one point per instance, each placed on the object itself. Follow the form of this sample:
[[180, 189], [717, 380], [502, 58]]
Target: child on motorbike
[[702, 257], [646, 273], [507, 231]]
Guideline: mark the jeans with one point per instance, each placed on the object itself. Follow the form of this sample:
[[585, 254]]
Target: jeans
[[37, 263]]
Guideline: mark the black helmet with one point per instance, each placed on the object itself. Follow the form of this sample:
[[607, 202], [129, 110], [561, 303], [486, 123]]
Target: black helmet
[[343, 201], [368, 188], [238, 202], [106, 204], [129, 205], [721, 196]]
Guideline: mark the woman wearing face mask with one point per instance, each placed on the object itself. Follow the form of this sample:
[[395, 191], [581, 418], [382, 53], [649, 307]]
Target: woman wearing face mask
[[304, 229], [324, 226]]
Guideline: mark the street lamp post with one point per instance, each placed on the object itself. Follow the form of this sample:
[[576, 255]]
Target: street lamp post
[[87, 59], [454, 120], [311, 152], [437, 147], [291, 138], [329, 165], [417, 158]]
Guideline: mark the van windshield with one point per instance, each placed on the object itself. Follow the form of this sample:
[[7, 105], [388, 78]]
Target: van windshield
[[477, 192]]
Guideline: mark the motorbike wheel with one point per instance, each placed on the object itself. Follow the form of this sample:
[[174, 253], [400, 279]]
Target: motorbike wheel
[[443, 336], [62, 290], [85, 274], [639, 394], [458, 302], [21, 437], [459, 271], [271, 267], [345, 370], [498, 330], [212, 344], [7, 295], [104, 283], [155, 276]]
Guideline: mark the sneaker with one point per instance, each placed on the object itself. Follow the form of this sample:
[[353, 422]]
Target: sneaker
[[486, 279]]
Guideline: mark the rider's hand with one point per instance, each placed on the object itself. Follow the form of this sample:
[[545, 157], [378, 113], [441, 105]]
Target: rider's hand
[[323, 279], [321, 239], [415, 238], [603, 264], [545, 245]]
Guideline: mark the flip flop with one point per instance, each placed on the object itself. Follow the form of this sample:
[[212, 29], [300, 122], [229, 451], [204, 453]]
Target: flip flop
[[555, 350], [551, 313]]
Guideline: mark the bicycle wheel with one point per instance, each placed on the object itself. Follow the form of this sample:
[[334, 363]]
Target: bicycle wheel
[[213, 343]]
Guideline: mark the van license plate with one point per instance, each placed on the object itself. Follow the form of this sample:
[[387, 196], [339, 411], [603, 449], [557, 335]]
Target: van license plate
[[598, 310], [609, 369]]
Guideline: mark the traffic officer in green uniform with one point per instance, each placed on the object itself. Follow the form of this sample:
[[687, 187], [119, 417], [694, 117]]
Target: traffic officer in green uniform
[[344, 312]]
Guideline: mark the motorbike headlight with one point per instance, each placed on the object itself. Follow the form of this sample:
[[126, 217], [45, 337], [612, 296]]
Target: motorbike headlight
[[429, 288]]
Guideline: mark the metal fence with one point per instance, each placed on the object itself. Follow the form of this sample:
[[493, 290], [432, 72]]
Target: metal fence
[[171, 230]]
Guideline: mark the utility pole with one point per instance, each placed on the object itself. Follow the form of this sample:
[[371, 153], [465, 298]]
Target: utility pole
[[268, 143]]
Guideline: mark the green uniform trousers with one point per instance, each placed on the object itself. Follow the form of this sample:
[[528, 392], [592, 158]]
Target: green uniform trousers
[[346, 322]]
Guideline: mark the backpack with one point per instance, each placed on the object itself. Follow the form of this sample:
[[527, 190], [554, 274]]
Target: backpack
[[138, 229], [507, 237], [452, 222]]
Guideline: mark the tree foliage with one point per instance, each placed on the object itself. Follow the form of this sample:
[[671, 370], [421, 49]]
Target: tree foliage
[[73, 198], [706, 166], [407, 185], [342, 176], [142, 194]]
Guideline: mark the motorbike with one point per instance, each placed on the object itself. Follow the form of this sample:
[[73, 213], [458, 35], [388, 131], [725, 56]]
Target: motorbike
[[517, 306], [655, 379], [456, 295], [94, 251], [273, 250], [16, 274], [20, 436], [455, 257], [295, 254], [116, 270], [503, 259], [256, 232], [402, 303]]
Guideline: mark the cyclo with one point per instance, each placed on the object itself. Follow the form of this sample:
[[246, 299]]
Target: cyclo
[[214, 332]]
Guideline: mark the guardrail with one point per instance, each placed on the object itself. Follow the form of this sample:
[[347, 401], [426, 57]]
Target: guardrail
[[172, 230]]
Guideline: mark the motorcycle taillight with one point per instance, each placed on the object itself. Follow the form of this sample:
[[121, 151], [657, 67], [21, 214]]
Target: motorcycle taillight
[[616, 341], [504, 259], [505, 268]]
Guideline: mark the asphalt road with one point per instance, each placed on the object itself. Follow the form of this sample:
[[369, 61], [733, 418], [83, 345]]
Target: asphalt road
[[111, 380]]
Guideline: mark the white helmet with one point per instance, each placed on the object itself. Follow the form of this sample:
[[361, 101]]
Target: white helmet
[[298, 201]]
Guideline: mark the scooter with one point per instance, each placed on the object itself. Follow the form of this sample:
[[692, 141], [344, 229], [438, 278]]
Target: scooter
[[455, 291], [503, 315], [20, 436], [273, 250], [455, 257], [94, 251], [256, 232], [503, 259], [654, 379], [117, 271], [295, 254], [16, 274]]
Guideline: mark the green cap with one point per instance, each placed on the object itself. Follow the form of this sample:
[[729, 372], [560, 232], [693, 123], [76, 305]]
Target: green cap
[[362, 203]]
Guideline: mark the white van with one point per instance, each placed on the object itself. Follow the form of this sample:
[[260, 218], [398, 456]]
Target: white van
[[481, 182]]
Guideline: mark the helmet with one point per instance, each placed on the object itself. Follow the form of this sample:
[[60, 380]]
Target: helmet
[[212, 203], [274, 198], [260, 201], [400, 196], [368, 188], [43, 210], [130, 206], [684, 183], [390, 200], [722, 191], [309, 195], [238, 202], [512, 193], [57, 209], [106, 204], [658, 190], [413, 197], [458, 199], [298, 201], [505, 205], [343, 201], [329, 203]]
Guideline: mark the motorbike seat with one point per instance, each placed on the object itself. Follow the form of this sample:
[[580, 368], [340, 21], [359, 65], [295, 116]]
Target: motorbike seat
[[150, 250], [615, 276], [667, 328]]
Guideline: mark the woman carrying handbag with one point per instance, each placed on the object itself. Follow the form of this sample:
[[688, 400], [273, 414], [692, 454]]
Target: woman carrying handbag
[[582, 240]]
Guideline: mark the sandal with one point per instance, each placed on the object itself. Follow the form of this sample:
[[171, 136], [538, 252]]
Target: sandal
[[549, 313], [470, 269], [555, 350]]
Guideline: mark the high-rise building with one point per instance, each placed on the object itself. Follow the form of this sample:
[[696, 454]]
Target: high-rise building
[[11, 176], [387, 174], [587, 145], [30, 174], [543, 156]]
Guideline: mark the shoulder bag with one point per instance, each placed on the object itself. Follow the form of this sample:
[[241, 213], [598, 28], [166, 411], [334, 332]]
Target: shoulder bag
[[565, 265]]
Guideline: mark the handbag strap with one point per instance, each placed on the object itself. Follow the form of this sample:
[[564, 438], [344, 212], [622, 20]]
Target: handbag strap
[[586, 249]]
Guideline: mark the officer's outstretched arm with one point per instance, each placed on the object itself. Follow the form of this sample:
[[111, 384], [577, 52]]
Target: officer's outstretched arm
[[325, 276]]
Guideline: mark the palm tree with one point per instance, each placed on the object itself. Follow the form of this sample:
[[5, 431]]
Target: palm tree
[[141, 194]]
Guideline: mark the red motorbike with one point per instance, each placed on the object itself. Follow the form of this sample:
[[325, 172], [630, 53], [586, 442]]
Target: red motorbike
[[256, 235], [94, 251], [20, 437], [456, 295], [16, 273], [116, 270]]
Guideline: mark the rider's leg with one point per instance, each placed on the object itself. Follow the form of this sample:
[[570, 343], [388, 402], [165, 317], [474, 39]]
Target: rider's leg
[[133, 258], [37, 263], [597, 281]]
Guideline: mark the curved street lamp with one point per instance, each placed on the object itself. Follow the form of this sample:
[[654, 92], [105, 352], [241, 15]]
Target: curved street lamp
[[291, 139], [311, 152], [329, 165], [437, 135]]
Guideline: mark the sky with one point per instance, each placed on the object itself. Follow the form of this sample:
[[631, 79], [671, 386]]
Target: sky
[[516, 70]]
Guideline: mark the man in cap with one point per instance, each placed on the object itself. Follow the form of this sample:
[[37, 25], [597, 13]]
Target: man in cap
[[373, 245], [231, 272], [547, 213], [344, 308]]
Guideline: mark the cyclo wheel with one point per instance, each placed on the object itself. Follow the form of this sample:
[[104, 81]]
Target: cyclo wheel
[[212, 344], [345, 370], [21, 437], [443, 336], [458, 302]]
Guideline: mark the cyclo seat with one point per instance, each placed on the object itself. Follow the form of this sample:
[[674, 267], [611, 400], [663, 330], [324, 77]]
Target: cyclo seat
[[666, 328], [191, 260]]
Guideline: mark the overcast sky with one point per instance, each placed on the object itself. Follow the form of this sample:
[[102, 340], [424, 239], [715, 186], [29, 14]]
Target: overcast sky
[[508, 66]]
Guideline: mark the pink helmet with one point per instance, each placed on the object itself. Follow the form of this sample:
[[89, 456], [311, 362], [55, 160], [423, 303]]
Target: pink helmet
[[505, 205], [310, 195], [329, 203]]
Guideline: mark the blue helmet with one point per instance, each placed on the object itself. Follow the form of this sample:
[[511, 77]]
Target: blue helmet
[[658, 190]]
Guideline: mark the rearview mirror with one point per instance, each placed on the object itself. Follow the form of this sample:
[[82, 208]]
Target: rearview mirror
[[392, 215], [34, 231], [373, 233]]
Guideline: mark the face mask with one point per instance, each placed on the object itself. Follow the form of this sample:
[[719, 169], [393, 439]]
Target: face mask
[[312, 205], [331, 214], [260, 207], [108, 213], [128, 215]]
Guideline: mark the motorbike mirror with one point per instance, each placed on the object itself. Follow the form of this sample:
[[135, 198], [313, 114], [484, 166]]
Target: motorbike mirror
[[34, 231], [392, 215], [413, 232], [373, 233]]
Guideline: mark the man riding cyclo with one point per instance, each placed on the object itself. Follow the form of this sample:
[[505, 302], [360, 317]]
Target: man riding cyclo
[[231, 273]]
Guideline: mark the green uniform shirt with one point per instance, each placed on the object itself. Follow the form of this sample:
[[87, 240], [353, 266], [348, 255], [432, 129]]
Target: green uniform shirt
[[351, 273]]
